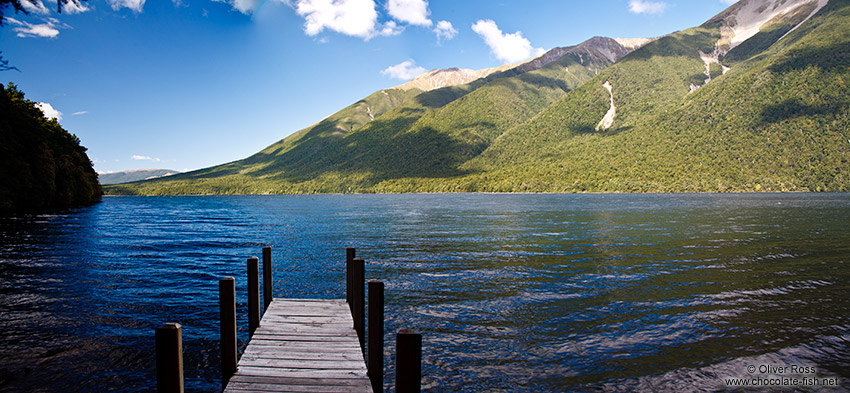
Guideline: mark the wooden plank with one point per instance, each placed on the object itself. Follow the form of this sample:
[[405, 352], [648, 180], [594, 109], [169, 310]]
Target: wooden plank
[[302, 373], [303, 345], [301, 364], [257, 387], [295, 337], [247, 379], [302, 353]]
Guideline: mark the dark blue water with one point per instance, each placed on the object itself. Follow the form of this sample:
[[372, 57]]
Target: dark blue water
[[519, 293]]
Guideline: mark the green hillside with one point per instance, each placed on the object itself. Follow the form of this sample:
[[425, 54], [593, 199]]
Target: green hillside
[[776, 121], [428, 135], [133, 175], [42, 166]]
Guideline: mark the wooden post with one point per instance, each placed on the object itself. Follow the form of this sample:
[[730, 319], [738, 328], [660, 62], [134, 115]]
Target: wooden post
[[349, 285], [267, 277], [376, 335], [408, 366], [169, 358], [227, 310], [253, 295], [358, 314]]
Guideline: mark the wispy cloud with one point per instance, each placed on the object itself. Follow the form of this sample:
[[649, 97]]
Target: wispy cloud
[[414, 12], [144, 158], [646, 7], [507, 47], [729, 2], [406, 70], [49, 111], [390, 29], [74, 7], [36, 7], [48, 29], [246, 7], [79, 113], [444, 30], [134, 5]]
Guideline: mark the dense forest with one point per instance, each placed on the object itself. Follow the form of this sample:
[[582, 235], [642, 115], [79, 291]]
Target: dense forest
[[42, 166]]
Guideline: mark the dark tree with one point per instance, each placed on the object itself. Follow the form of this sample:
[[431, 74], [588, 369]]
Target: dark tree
[[18, 6], [42, 166]]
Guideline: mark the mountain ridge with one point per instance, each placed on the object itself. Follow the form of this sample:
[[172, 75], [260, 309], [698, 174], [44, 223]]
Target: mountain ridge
[[584, 123]]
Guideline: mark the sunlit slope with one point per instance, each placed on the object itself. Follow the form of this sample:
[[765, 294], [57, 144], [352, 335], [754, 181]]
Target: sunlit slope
[[755, 99], [777, 121], [428, 135]]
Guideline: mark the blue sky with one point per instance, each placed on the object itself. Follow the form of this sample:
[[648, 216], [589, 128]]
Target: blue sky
[[187, 84]]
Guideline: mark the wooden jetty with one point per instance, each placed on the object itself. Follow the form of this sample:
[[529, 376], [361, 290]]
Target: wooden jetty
[[301, 345]]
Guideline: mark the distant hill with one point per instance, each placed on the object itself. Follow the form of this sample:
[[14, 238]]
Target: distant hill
[[42, 166], [755, 99], [134, 175]]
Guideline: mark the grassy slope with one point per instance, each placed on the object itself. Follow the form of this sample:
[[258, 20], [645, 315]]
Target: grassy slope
[[428, 136], [778, 122]]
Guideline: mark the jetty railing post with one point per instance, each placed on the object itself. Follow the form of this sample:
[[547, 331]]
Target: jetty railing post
[[375, 363], [169, 358], [267, 277], [349, 284], [227, 310], [358, 278], [408, 366], [253, 294]]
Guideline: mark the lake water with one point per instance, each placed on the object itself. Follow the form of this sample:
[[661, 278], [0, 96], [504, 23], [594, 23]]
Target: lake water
[[519, 293]]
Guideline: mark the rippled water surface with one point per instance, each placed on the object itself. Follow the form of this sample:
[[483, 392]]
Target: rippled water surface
[[519, 293]]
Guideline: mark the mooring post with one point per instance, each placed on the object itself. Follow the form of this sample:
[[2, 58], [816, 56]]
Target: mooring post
[[408, 366], [267, 277], [375, 353], [349, 284], [169, 358], [253, 295], [359, 314], [227, 310]]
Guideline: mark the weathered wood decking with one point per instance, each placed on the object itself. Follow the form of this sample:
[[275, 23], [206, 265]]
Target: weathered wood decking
[[303, 345]]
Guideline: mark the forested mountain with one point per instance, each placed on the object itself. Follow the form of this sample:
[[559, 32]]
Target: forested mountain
[[754, 99], [42, 166], [134, 175]]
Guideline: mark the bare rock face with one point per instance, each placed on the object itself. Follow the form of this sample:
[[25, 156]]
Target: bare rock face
[[747, 17], [595, 49], [436, 79]]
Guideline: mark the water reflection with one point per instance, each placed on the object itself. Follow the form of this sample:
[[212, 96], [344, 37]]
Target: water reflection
[[511, 292]]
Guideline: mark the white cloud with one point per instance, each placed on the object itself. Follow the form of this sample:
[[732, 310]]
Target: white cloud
[[414, 12], [350, 17], [79, 113], [144, 158], [49, 111], [646, 7], [507, 47], [36, 8], [729, 2], [391, 28], [73, 7], [49, 29], [405, 70], [445, 30], [246, 7], [134, 5]]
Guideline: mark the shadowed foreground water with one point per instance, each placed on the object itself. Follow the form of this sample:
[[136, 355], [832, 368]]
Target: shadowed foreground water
[[519, 293]]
